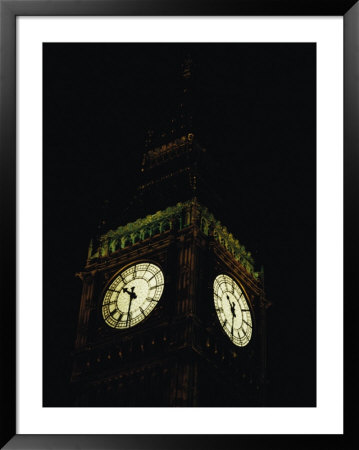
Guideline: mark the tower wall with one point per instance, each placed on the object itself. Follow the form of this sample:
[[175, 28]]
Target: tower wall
[[178, 355]]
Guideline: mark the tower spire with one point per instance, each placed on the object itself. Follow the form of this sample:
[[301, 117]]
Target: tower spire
[[186, 100], [180, 123]]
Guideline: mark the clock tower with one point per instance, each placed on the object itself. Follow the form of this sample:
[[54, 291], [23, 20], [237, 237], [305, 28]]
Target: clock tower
[[172, 310]]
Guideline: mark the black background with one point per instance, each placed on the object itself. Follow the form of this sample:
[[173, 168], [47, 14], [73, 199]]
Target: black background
[[255, 111]]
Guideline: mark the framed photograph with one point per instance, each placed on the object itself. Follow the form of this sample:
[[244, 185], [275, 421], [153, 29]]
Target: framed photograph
[[173, 193]]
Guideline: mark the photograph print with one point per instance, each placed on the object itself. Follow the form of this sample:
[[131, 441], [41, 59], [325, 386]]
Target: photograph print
[[179, 193]]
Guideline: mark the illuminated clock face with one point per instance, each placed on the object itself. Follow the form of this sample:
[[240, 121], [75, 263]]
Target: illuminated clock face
[[232, 310], [132, 295]]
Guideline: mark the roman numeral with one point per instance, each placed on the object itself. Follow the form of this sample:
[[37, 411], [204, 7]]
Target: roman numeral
[[112, 303]]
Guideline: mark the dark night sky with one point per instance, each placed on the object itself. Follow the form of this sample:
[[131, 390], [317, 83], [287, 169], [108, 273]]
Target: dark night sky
[[255, 113]]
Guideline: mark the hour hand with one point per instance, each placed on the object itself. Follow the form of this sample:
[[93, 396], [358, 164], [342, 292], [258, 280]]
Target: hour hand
[[130, 293], [234, 309]]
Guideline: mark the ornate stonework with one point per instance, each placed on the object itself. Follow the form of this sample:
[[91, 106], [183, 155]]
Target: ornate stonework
[[166, 151], [174, 217]]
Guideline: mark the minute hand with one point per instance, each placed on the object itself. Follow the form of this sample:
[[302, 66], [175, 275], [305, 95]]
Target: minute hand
[[128, 311], [132, 296]]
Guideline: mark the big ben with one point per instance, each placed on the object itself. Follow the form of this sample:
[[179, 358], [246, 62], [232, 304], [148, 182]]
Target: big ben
[[173, 308]]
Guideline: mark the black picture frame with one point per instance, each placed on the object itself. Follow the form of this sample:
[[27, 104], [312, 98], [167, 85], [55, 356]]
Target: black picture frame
[[9, 10]]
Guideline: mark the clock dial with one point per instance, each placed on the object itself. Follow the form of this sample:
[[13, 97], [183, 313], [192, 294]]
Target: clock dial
[[232, 310], [132, 295]]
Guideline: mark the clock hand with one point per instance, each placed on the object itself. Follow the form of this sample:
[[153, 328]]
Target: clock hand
[[129, 304], [234, 309], [132, 296], [232, 306]]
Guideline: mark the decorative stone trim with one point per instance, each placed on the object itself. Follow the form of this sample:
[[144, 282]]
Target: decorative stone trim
[[166, 151], [175, 217]]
